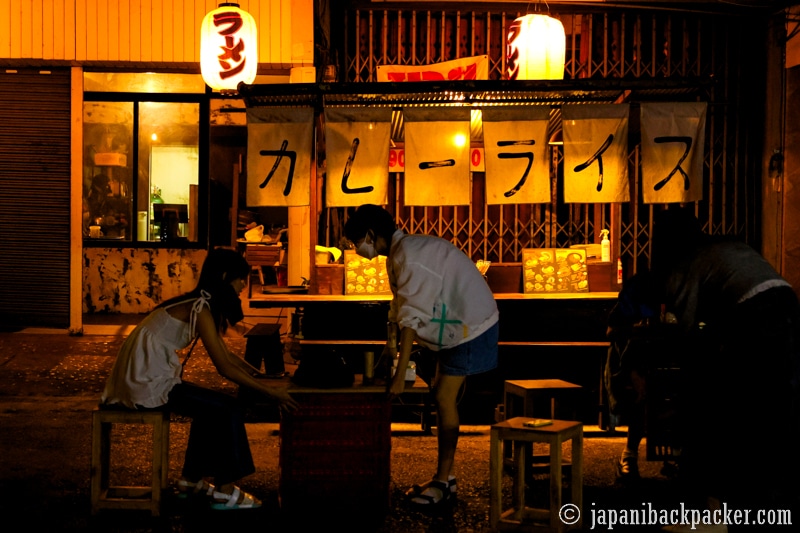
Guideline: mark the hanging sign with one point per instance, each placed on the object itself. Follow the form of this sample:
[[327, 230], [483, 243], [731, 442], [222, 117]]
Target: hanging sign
[[517, 167], [228, 48], [279, 145], [673, 136], [595, 153], [437, 156], [466, 68], [357, 148]]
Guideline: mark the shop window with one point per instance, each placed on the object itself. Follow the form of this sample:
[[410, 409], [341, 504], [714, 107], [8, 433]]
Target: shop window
[[142, 172], [108, 165]]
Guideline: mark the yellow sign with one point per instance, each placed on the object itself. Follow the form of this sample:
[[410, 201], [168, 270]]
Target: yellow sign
[[364, 276], [547, 270]]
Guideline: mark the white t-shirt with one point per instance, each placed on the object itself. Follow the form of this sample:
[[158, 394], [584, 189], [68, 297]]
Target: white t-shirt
[[437, 291]]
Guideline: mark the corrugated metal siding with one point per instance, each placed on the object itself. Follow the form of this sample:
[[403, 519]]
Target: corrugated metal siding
[[34, 197]]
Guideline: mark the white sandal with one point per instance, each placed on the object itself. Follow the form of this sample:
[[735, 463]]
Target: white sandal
[[435, 495], [201, 488], [416, 490], [228, 502]]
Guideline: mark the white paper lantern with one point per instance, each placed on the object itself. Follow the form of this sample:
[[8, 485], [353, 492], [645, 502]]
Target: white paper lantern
[[228, 47], [536, 48]]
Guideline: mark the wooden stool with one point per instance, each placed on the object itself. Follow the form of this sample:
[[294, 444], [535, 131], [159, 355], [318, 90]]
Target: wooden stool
[[525, 397], [128, 497], [520, 516], [264, 345], [528, 391]]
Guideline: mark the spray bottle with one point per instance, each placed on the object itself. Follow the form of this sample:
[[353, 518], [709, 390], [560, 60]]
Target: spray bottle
[[605, 247]]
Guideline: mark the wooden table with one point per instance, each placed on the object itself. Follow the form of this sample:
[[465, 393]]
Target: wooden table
[[335, 453]]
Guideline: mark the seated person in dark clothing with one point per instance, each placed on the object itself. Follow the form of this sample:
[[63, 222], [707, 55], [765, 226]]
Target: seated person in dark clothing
[[631, 326], [740, 370]]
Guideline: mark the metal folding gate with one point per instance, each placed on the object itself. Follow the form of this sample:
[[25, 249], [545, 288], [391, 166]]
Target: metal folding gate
[[702, 51], [34, 197]]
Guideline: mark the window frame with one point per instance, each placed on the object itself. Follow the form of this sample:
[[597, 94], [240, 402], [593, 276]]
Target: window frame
[[203, 212]]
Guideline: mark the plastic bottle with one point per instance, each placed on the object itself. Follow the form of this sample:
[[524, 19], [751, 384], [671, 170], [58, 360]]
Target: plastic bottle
[[605, 247]]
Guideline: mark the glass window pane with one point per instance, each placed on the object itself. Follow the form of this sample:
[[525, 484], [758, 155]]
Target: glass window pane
[[169, 138], [107, 170]]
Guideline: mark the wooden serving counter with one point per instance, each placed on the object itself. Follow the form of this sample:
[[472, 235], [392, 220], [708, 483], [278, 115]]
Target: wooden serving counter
[[558, 317], [261, 301], [542, 336]]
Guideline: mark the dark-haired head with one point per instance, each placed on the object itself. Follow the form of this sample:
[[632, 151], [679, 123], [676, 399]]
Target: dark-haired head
[[676, 234], [221, 267], [370, 217]]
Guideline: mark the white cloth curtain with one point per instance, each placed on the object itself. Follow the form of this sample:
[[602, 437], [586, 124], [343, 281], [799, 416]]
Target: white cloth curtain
[[280, 144], [595, 153], [437, 156], [357, 150], [515, 147], [673, 139]]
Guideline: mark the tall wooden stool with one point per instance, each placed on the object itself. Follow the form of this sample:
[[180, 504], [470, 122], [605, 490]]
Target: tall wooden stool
[[527, 397], [520, 516], [105, 496]]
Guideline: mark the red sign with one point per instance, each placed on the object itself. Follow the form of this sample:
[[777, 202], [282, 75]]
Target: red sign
[[465, 68], [397, 160]]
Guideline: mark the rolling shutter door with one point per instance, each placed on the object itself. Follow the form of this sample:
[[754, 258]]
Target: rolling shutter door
[[34, 197]]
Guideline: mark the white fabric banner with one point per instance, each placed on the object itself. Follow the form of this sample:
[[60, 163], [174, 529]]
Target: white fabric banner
[[357, 150], [437, 156], [465, 68], [673, 136], [279, 150], [595, 153], [515, 144]]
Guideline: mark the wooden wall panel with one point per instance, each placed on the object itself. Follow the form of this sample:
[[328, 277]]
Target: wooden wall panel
[[99, 29], [5, 28], [79, 30], [135, 31], [14, 28], [124, 10], [145, 43], [48, 33], [147, 31]]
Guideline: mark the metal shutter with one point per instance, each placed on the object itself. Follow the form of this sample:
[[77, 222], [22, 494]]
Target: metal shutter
[[34, 197]]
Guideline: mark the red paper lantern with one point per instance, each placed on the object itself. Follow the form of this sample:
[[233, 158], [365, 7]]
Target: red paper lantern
[[228, 47], [536, 48]]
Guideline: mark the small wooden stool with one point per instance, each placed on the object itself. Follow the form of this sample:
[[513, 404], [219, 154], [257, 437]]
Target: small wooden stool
[[527, 391], [264, 345], [128, 497], [525, 397], [520, 516]]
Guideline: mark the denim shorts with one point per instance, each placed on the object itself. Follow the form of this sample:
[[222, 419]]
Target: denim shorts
[[473, 357]]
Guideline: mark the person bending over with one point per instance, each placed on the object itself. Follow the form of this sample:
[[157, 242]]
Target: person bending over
[[147, 375], [441, 301]]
